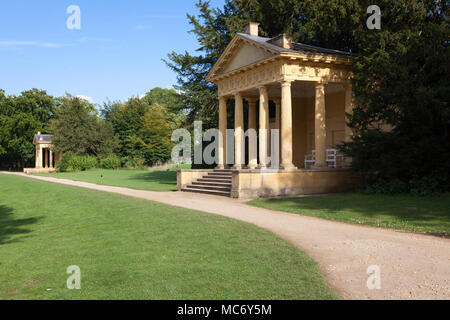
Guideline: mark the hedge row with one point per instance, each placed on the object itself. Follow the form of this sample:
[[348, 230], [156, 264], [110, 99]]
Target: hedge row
[[70, 162]]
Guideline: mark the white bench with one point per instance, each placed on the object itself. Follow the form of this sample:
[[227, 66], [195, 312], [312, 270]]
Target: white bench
[[310, 159], [333, 158]]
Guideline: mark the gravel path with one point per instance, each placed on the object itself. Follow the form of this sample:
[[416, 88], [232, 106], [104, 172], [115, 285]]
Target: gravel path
[[412, 266]]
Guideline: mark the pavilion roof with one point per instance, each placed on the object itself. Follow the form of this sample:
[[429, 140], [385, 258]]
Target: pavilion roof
[[297, 46], [42, 138], [277, 50]]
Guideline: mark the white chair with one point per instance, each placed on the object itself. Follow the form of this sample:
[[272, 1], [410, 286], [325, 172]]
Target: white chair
[[334, 158], [310, 159]]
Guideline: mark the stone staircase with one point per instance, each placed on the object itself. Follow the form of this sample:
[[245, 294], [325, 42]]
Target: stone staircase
[[217, 182]]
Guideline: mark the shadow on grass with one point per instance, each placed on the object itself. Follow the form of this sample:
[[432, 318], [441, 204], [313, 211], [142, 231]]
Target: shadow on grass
[[425, 211], [10, 228], [161, 177]]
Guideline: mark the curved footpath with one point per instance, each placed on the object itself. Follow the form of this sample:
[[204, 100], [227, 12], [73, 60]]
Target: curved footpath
[[412, 266]]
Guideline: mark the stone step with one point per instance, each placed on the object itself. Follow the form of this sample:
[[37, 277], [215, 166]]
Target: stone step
[[223, 170], [215, 188], [218, 180], [208, 183], [220, 174], [207, 191]]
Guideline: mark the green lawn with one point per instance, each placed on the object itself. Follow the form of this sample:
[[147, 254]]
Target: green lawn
[[131, 248], [419, 214], [134, 179]]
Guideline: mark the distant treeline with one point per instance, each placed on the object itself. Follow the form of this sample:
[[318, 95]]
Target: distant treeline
[[137, 131]]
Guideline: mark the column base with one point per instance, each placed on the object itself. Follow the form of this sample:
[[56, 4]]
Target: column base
[[252, 166], [288, 166], [237, 167], [220, 167]]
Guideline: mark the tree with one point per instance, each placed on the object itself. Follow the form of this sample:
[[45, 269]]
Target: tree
[[76, 128], [155, 136], [144, 125], [401, 81], [20, 118], [169, 98]]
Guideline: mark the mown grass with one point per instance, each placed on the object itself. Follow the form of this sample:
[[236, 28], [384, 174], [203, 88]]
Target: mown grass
[[134, 179], [420, 214], [131, 248]]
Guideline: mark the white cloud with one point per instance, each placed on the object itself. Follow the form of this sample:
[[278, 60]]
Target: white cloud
[[88, 99], [93, 39], [54, 45], [164, 16], [142, 27], [15, 43]]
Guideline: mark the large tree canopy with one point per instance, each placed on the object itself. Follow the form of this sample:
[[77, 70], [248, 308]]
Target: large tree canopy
[[20, 118], [401, 82], [144, 126], [400, 77], [77, 129], [138, 130]]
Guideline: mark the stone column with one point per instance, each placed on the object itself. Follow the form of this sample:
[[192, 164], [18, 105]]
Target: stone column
[[263, 126], [320, 125], [286, 126], [238, 130], [38, 160], [50, 154], [277, 102], [252, 140], [222, 132]]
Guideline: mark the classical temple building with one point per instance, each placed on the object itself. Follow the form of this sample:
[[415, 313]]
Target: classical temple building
[[46, 159], [302, 90]]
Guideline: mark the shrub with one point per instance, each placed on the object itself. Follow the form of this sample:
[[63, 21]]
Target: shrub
[[63, 164], [133, 162], [82, 163], [110, 162]]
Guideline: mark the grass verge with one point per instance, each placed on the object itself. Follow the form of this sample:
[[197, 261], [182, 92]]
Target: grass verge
[[419, 214], [134, 179], [131, 248]]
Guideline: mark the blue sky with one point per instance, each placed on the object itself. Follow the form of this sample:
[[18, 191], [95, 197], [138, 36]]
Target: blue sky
[[116, 54]]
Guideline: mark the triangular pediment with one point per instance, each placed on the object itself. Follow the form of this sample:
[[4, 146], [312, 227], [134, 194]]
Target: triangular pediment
[[245, 55], [239, 53]]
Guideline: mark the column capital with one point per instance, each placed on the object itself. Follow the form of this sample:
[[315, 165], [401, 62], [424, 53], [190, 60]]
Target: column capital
[[286, 82], [251, 99], [319, 84], [222, 98], [262, 88]]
